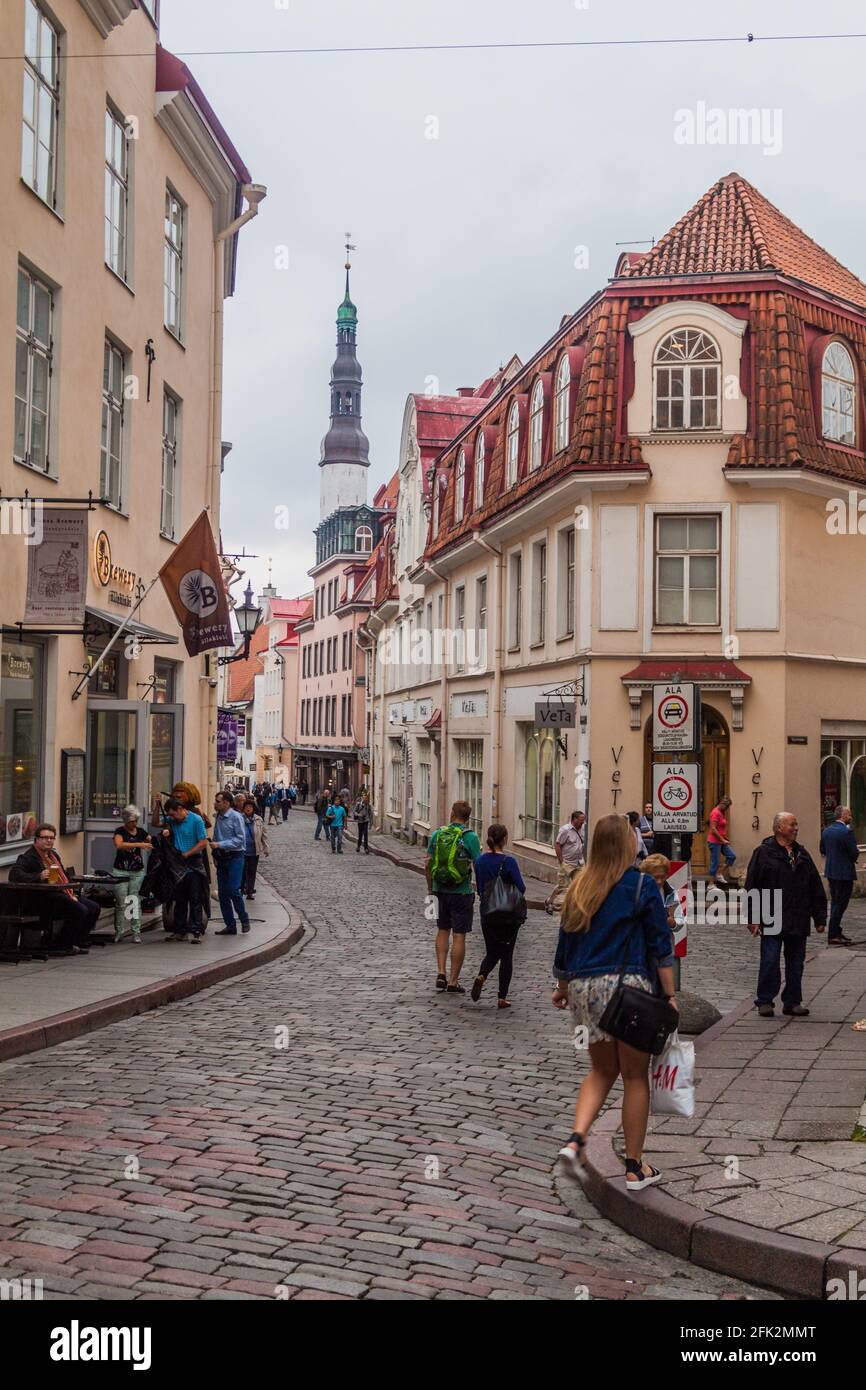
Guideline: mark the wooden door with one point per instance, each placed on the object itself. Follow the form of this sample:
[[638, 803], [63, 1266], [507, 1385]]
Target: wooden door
[[715, 760]]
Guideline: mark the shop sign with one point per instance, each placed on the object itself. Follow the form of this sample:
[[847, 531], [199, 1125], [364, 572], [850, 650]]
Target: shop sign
[[120, 582], [71, 791], [423, 711], [227, 737], [556, 714], [676, 718], [676, 798], [395, 714], [57, 569], [17, 668], [469, 706]]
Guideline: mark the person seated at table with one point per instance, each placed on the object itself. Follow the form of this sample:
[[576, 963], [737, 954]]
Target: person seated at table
[[131, 844], [42, 864]]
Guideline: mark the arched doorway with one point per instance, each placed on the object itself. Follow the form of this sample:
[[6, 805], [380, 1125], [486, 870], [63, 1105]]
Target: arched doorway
[[715, 760]]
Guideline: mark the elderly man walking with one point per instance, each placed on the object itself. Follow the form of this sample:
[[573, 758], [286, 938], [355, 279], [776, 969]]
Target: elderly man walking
[[839, 847], [791, 897]]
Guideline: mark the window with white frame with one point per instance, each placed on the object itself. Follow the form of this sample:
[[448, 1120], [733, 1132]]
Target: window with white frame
[[512, 445], [460, 628], [565, 584], [111, 458], [539, 591], [479, 470], [41, 113], [563, 384], [541, 776], [436, 491], [837, 395], [481, 603], [363, 540], [173, 261], [470, 777], [515, 600], [395, 782], [460, 486], [422, 783], [33, 367], [536, 424], [687, 371], [687, 571], [169, 501], [116, 193]]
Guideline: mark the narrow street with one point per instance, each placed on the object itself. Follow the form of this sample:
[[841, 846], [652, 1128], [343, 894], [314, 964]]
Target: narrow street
[[324, 1127]]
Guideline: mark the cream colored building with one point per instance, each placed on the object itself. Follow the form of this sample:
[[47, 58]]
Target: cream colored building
[[668, 488], [119, 185]]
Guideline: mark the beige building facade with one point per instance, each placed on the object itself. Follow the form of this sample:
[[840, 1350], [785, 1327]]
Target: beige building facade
[[118, 184]]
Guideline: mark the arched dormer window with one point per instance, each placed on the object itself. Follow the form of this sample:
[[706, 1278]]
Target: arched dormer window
[[512, 446], [837, 395], [460, 486], [687, 379], [363, 540], [536, 424], [479, 470], [563, 381]]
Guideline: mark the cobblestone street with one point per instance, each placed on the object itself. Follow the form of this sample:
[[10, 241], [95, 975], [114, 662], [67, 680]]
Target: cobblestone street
[[326, 1126]]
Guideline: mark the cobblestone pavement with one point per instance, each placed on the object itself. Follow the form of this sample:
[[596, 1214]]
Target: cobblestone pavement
[[325, 1127]]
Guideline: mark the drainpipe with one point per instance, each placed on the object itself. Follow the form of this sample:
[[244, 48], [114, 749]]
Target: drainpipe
[[254, 193], [443, 701], [496, 722]]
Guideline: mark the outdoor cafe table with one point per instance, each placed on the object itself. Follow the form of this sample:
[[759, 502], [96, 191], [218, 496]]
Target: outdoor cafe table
[[14, 916]]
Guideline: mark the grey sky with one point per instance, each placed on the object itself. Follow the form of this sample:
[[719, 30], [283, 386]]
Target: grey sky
[[466, 243]]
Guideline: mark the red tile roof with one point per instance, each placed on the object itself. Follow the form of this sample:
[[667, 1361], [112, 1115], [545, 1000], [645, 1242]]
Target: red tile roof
[[172, 75], [734, 229]]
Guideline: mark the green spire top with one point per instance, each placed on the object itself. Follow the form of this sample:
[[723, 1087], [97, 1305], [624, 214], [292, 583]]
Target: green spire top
[[347, 314]]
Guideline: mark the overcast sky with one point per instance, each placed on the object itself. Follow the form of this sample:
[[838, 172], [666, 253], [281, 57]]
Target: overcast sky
[[466, 243]]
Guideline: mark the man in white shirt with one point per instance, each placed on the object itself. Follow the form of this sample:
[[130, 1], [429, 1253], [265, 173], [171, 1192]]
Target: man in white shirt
[[570, 850]]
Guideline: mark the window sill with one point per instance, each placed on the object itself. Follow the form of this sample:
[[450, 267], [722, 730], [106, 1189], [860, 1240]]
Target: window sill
[[113, 507], [565, 636], [172, 540], [672, 628], [535, 845], [39, 198], [537, 645], [175, 337], [119, 278], [40, 472]]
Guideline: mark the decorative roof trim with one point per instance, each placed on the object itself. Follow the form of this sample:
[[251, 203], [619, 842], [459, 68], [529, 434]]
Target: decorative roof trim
[[107, 14], [693, 308]]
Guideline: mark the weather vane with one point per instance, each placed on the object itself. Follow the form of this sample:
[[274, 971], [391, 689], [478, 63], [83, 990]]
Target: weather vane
[[349, 249]]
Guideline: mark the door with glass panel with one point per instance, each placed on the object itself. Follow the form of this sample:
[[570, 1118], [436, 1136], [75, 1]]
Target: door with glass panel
[[115, 774], [165, 762]]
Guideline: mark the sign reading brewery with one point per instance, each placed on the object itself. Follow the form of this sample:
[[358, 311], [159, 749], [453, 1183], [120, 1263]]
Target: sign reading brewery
[[676, 798], [193, 582], [676, 718], [119, 582]]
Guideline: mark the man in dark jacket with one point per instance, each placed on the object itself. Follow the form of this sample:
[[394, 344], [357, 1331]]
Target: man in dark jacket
[[42, 864], [839, 847], [791, 897]]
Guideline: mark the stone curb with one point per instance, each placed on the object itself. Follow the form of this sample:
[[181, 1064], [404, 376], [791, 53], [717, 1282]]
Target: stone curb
[[790, 1265], [47, 1032]]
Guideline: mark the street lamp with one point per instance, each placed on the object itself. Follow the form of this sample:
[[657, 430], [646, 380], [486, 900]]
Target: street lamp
[[248, 619]]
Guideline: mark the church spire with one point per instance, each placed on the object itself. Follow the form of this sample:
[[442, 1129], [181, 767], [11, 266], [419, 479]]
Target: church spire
[[345, 455]]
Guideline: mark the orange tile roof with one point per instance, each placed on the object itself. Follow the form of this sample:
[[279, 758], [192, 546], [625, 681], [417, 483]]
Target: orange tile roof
[[734, 229]]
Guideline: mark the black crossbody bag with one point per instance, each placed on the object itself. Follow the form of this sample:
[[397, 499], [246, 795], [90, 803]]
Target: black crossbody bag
[[633, 1016]]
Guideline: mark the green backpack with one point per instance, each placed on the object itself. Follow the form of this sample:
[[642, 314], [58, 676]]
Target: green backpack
[[451, 863]]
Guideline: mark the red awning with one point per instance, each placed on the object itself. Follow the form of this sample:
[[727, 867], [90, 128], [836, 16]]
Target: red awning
[[434, 723], [700, 672]]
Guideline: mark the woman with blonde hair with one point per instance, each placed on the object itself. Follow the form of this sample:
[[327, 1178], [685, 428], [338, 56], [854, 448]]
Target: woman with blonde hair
[[613, 920]]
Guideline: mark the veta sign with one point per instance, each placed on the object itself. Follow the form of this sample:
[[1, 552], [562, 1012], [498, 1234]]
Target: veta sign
[[676, 798], [555, 714], [676, 718]]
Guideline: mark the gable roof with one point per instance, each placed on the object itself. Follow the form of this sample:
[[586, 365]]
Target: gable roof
[[734, 229]]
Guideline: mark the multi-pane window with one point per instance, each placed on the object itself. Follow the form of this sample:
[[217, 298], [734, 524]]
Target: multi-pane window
[[173, 261], [41, 103], [470, 777], [536, 422], [481, 603], [168, 510], [479, 471], [837, 395], [364, 540], [435, 521], [422, 789], [687, 380], [116, 192], [515, 600], [395, 783], [512, 444], [460, 486], [111, 460], [460, 627], [33, 357], [541, 775], [568, 566], [687, 570], [539, 591], [563, 383]]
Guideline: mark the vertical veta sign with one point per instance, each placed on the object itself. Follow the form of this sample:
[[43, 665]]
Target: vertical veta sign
[[676, 798], [676, 718]]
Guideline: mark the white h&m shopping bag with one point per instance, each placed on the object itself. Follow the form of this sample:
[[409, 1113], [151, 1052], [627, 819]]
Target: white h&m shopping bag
[[672, 1079]]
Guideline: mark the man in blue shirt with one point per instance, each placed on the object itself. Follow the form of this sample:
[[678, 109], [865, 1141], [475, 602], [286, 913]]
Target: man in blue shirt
[[229, 847], [188, 835], [839, 846]]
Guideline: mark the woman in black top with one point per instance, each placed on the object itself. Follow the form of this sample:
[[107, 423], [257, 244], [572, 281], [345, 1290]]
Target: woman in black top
[[132, 845]]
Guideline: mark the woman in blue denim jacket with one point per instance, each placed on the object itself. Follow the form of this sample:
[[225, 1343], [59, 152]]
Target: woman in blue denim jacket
[[611, 914]]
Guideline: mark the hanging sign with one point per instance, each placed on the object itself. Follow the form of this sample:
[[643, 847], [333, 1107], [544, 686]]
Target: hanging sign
[[556, 714], [676, 798], [676, 718], [57, 569]]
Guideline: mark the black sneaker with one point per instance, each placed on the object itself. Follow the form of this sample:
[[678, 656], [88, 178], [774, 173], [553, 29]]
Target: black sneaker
[[766, 1011], [226, 931], [795, 1010], [477, 987], [245, 928]]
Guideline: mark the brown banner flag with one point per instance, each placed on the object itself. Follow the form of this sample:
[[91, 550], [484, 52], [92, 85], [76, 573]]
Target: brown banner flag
[[192, 578]]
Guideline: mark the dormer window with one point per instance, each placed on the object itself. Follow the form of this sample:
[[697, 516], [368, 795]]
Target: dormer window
[[687, 371], [512, 443], [435, 504], [536, 419], [563, 381], [363, 540], [479, 471], [460, 487], [837, 395]]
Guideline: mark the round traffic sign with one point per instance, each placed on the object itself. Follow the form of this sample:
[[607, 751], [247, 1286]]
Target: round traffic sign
[[673, 711], [674, 793]]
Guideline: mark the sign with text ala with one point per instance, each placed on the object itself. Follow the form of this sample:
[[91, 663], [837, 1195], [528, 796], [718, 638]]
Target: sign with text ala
[[676, 798], [676, 718]]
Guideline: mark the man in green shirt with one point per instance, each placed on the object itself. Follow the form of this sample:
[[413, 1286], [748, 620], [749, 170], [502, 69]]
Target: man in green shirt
[[452, 851]]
